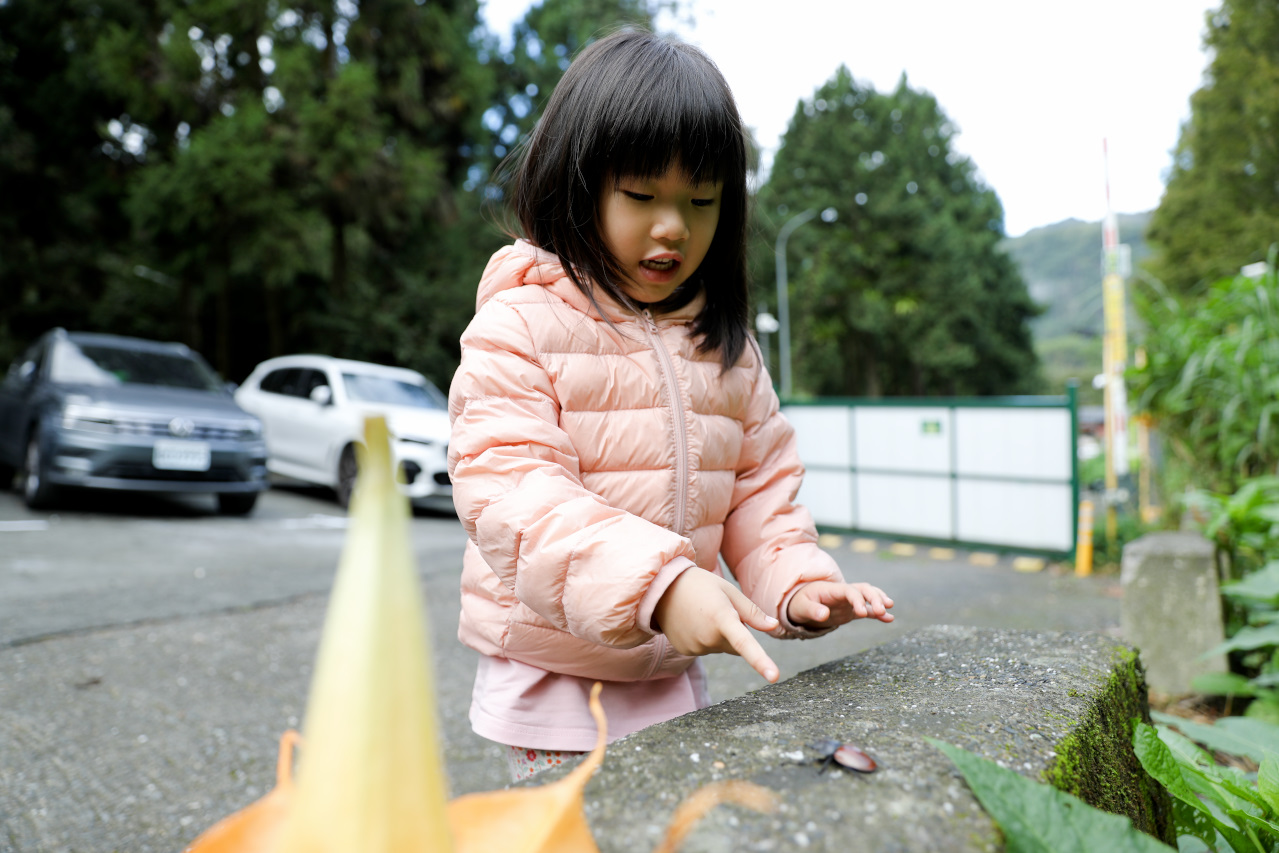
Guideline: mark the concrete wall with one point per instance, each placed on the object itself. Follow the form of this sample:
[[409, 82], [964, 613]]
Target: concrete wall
[[1172, 608], [1052, 706]]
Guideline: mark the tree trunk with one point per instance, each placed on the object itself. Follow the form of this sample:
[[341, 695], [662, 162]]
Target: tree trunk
[[870, 373], [274, 330], [337, 268], [191, 332], [224, 327]]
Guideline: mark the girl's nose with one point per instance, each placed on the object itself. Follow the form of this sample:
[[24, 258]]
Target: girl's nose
[[670, 227]]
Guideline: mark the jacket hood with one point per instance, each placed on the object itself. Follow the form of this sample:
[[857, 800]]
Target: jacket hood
[[524, 264]]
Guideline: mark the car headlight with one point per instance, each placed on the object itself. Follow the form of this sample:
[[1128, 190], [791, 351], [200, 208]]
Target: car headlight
[[250, 429], [89, 419]]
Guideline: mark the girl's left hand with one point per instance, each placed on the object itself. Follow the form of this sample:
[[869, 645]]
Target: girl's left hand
[[825, 604]]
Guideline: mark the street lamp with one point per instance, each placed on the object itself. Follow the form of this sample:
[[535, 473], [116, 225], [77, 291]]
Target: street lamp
[[765, 324], [783, 298]]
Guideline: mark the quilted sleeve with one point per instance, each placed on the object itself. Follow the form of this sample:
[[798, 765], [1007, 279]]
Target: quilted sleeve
[[581, 564], [770, 542]]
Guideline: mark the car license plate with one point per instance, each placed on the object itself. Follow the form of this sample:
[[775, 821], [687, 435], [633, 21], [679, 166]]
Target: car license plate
[[170, 455]]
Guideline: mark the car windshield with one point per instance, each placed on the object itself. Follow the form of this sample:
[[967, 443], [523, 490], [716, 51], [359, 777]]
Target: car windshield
[[97, 364], [367, 388]]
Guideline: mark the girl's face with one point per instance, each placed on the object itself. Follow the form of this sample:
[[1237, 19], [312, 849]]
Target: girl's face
[[659, 229]]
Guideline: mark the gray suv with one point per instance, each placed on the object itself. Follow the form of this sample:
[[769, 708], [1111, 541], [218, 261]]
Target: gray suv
[[109, 412]]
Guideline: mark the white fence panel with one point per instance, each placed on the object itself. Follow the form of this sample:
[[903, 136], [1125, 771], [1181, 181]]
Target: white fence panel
[[1017, 443], [910, 506], [991, 472], [900, 439], [829, 497], [1029, 515]]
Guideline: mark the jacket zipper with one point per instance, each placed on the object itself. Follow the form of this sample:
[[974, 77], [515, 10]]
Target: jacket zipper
[[677, 415]]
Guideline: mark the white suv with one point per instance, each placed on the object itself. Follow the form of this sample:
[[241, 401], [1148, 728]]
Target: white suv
[[313, 407]]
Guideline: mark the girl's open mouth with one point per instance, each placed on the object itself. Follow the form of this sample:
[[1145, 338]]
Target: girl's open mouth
[[660, 265]]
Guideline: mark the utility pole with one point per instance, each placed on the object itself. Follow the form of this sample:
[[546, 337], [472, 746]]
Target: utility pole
[[1114, 360]]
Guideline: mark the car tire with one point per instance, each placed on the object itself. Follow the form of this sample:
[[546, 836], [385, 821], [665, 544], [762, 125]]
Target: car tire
[[348, 470], [237, 503], [37, 491]]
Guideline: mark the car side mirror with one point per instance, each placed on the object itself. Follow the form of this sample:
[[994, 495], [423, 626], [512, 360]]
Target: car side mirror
[[322, 395]]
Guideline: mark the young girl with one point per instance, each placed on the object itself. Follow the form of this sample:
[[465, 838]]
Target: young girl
[[614, 429]]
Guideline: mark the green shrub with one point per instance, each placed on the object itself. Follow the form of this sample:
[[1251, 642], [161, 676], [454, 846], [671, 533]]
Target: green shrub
[[1211, 377]]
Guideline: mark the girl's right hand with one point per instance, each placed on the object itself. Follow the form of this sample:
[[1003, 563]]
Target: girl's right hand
[[701, 613]]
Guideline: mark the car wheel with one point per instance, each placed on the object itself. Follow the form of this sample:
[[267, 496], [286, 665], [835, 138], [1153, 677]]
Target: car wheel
[[37, 491], [237, 503], [348, 468]]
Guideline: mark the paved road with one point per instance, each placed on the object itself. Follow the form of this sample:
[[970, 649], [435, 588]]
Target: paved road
[[151, 652]]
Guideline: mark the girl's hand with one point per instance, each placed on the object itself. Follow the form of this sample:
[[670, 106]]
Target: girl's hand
[[825, 604], [701, 613]]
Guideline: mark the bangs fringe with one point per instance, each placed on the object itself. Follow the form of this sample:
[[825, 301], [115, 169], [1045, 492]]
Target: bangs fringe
[[648, 129]]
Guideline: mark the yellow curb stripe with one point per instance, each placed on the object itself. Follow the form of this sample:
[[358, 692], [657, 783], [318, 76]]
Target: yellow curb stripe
[[942, 553], [830, 540], [865, 546], [983, 558], [1029, 564], [901, 549]]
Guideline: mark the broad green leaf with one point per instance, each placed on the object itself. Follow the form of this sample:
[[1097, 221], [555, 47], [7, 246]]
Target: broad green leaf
[[1268, 783], [1223, 684], [1264, 709], [1231, 735], [1260, 586], [1188, 820], [1230, 792], [1037, 817], [1185, 781], [1247, 639], [1262, 734], [1267, 828], [1195, 777], [1160, 762], [1185, 749]]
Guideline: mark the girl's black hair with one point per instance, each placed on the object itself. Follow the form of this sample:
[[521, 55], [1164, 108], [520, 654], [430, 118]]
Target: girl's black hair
[[634, 104]]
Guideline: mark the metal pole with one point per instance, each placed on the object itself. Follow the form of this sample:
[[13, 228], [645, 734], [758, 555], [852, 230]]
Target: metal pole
[[783, 298]]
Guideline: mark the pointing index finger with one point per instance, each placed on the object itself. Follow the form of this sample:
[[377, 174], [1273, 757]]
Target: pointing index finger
[[750, 650]]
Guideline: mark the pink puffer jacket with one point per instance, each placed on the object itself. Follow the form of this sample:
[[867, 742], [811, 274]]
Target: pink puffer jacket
[[591, 464]]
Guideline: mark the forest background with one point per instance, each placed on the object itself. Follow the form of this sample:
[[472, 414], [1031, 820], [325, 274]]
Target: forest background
[[257, 177]]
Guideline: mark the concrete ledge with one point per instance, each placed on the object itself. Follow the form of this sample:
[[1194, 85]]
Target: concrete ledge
[[1052, 706]]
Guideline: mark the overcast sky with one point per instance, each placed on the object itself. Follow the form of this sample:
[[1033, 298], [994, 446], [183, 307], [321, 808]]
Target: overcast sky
[[1034, 87]]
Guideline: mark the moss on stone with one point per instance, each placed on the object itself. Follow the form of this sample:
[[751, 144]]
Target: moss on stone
[[1096, 761]]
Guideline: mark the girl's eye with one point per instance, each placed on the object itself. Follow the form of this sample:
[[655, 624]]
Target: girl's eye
[[637, 196], [703, 202]]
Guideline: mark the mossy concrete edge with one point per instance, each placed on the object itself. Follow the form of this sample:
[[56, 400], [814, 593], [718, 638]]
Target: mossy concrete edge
[[1096, 762], [1023, 699]]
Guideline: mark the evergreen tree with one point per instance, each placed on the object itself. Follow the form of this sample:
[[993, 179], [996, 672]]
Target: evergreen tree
[[543, 44], [313, 169], [61, 173], [255, 177], [908, 292], [1220, 209]]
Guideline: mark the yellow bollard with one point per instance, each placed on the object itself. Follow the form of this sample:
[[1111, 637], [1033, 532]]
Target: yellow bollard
[[1083, 547]]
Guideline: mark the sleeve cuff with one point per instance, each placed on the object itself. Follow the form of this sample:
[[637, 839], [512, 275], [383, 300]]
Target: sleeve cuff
[[665, 576], [788, 630]]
